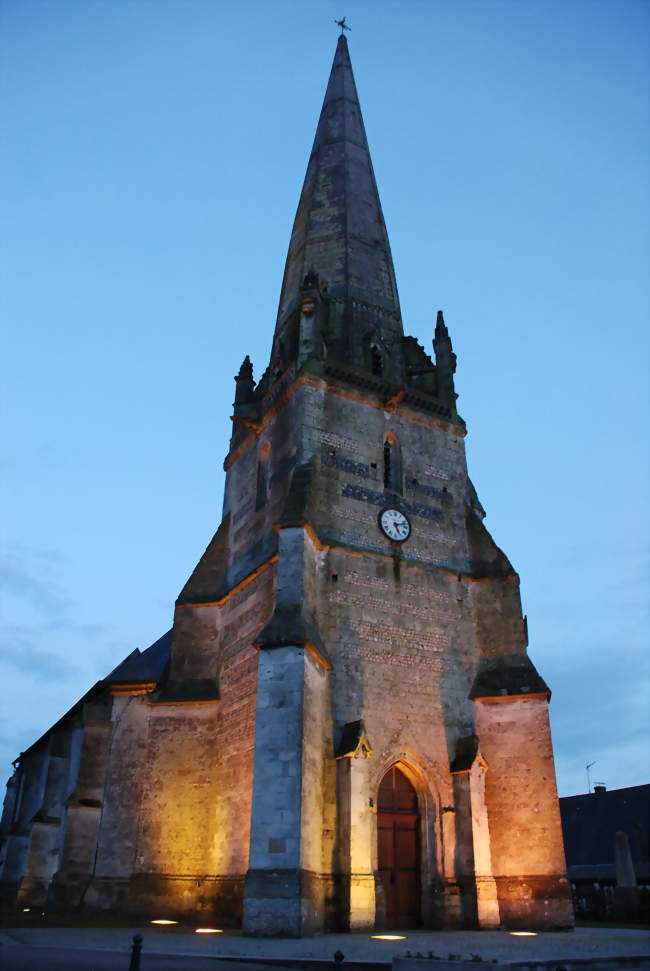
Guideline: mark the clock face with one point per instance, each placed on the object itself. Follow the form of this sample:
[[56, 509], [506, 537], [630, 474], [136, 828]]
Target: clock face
[[394, 525]]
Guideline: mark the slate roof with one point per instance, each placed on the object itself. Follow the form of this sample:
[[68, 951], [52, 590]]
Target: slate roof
[[466, 751], [138, 666], [508, 674], [354, 733], [590, 823], [289, 626], [143, 666]]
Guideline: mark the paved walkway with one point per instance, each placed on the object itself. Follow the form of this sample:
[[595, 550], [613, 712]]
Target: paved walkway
[[584, 943]]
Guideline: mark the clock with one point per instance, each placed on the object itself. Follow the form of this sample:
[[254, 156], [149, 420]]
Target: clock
[[394, 525]]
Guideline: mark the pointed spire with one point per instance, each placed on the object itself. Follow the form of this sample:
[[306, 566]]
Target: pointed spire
[[339, 234]]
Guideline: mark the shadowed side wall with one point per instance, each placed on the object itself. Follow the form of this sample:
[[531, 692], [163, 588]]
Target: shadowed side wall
[[123, 791], [84, 806], [46, 824], [27, 799]]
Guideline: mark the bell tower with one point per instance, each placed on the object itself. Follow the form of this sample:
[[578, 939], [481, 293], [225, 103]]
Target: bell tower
[[395, 635]]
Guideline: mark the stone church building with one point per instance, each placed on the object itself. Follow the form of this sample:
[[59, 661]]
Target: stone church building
[[343, 728]]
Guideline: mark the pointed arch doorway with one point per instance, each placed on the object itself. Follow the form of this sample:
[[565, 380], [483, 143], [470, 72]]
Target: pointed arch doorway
[[398, 833]]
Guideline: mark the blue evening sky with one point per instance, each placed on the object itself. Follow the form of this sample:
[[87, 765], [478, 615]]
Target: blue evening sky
[[152, 158]]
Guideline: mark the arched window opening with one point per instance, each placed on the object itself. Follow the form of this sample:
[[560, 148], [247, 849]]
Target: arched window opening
[[262, 492], [376, 360], [392, 464]]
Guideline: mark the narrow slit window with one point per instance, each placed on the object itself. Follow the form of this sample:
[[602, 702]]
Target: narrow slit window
[[376, 361], [262, 492], [392, 465], [387, 464]]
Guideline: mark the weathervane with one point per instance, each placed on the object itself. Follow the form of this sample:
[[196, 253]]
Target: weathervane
[[341, 23]]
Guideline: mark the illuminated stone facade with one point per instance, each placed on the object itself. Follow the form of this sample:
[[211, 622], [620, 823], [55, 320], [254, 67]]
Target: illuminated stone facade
[[234, 769]]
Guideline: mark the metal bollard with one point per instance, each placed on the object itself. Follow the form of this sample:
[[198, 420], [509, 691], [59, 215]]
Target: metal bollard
[[136, 950]]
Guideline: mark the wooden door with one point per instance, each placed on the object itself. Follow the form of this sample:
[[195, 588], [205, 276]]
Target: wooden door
[[399, 851]]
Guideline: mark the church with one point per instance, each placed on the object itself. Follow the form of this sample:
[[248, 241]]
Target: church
[[343, 728]]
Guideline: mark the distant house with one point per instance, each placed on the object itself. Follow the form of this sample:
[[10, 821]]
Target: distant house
[[590, 824]]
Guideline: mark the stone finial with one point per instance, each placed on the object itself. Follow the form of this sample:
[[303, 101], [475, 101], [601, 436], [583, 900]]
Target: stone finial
[[244, 385], [445, 361], [442, 345], [441, 327], [246, 370]]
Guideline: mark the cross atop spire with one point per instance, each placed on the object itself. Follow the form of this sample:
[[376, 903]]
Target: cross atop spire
[[339, 236]]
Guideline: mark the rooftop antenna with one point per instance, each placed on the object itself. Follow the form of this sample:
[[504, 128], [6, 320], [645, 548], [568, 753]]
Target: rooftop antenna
[[341, 23], [588, 766]]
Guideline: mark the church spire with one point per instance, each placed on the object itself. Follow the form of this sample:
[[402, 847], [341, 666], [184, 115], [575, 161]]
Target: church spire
[[339, 239]]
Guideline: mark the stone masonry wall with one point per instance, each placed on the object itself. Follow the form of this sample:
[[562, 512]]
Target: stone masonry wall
[[524, 815], [46, 824], [176, 826], [317, 769], [31, 779], [398, 623], [194, 817], [401, 635], [273, 897], [252, 536], [497, 609], [243, 616], [195, 813], [123, 796]]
